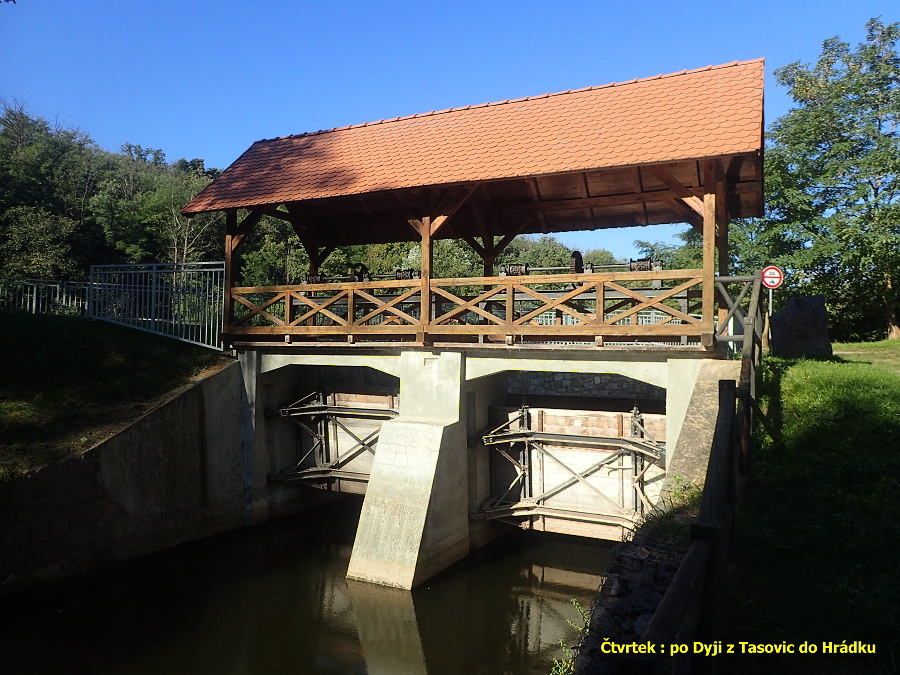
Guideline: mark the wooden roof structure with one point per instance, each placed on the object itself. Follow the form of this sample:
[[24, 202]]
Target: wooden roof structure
[[633, 153], [685, 147]]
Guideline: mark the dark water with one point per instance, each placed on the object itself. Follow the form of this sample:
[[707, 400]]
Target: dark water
[[274, 600]]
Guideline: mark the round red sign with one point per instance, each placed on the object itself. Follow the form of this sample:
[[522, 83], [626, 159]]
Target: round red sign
[[772, 277]]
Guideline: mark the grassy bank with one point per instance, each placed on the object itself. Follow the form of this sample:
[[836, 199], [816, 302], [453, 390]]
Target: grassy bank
[[68, 382], [817, 550]]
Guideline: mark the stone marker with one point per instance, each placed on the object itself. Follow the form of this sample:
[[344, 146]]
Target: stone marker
[[801, 328]]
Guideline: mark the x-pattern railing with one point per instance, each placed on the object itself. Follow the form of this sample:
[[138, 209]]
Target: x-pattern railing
[[591, 304], [327, 308]]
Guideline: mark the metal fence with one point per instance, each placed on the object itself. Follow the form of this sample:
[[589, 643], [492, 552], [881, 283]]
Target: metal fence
[[44, 296], [179, 300]]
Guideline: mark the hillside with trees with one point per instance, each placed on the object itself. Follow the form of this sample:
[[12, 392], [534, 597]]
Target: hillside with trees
[[66, 204]]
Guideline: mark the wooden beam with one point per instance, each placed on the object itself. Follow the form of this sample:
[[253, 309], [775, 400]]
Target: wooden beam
[[278, 213], [591, 202], [637, 183], [448, 205], [477, 208], [231, 227], [681, 191], [722, 217], [239, 230], [690, 216], [478, 248], [535, 192]]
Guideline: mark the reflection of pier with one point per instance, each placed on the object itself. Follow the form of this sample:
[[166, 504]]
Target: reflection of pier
[[435, 630]]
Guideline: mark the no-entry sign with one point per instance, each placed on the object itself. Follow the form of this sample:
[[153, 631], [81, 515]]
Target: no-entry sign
[[772, 277]]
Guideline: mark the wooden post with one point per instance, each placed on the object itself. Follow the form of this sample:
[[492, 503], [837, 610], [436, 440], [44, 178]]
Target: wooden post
[[488, 260], [427, 260], [230, 234], [709, 256], [722, 218]]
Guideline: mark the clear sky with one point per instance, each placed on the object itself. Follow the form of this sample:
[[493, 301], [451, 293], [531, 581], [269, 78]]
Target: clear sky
[[204, 78]]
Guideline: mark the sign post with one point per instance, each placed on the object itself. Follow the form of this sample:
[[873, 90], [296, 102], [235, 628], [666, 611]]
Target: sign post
[[772, 277]]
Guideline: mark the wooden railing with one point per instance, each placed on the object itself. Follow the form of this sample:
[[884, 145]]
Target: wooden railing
[[690, 609], [509, 309]]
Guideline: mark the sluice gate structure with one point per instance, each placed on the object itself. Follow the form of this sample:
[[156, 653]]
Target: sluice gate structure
[[395, 384]]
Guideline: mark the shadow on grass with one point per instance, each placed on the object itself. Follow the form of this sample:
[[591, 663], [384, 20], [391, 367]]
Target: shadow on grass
[[816, 549], [66, 377]]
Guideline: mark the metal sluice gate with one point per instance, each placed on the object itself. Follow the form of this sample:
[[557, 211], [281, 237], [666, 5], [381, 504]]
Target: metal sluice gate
[[636, 454], [549, 468], [325, 462]]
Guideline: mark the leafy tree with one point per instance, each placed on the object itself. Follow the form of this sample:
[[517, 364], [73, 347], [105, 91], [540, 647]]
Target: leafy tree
[[38, 244], [600, 256], [833, 184], [688, 255], [66, 204], [188, 239], [543, 251]]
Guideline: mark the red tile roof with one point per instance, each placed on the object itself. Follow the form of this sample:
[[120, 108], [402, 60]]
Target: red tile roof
[[709, 112]]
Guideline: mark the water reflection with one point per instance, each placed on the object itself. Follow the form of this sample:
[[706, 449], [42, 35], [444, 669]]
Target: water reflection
[[275, 600]]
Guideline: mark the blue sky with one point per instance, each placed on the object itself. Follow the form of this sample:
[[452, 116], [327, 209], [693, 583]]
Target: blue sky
[[203, 78]]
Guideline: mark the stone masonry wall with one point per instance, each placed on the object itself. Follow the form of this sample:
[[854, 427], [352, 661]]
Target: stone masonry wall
[[602, 385]]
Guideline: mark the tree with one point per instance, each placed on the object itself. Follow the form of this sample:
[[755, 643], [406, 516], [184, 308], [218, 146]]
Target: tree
[[688, 255], [38, 244], [833, 184]]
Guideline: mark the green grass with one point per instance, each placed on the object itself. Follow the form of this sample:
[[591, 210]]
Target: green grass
[[817, 550], [68, 381], [884, 354]]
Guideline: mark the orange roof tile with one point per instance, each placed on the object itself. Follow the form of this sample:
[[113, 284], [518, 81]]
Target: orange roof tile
[[708, 112]]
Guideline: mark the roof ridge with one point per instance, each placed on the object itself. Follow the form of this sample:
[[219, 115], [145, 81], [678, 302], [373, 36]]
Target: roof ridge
[[433, 113]]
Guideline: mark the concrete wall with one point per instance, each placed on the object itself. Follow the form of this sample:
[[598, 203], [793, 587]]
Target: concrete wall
[[179, 473], [201, 463]]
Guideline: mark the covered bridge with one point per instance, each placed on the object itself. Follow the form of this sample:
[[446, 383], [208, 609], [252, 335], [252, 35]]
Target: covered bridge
[[685, 147]]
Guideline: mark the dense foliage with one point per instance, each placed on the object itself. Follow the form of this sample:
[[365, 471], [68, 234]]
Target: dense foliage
[[833, 185], [821, 514], [66, 204]]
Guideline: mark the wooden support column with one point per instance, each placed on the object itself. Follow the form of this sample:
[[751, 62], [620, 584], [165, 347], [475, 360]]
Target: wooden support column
[[488, 250], [316, 255], [709, 257], [427, 226], [235, 233], [316, 252], [427, 262], [722, 218], [230, 260]]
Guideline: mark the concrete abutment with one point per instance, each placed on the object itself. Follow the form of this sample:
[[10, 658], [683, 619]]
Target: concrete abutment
[[431, 473]]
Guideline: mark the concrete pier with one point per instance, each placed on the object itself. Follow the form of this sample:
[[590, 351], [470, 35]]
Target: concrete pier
[[414, 520]]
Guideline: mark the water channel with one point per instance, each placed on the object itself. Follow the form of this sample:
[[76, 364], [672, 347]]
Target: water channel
[[273, 600]]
